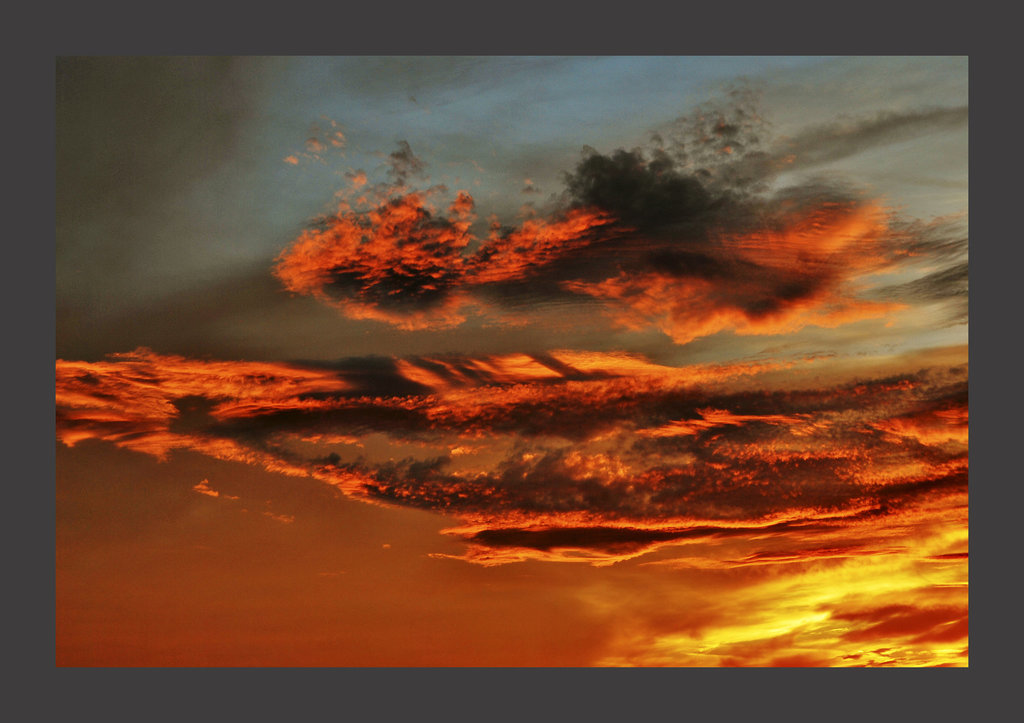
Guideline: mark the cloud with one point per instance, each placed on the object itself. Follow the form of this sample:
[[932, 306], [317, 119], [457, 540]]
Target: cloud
[[409, 273], [322, 138], [286, 519], [931, 624], [800, 269], [403, 163], [946, 286], [673, 238], [567, 455], [204, 488], [728, 142], [153, 403], [942, 284], [710, 418], [833, 141]]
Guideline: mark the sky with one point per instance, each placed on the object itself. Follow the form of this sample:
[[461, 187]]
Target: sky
[[512, 361]]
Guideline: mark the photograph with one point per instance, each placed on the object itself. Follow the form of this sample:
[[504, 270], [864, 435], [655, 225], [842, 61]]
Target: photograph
[[519, 361]]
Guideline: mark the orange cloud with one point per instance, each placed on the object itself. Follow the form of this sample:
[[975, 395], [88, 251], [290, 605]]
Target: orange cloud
[[777, 281], [929, 427], [717, 418], [537, 243], [151, 402], [577, 456], [398, 263], [656, 248], [204, 488], [286, 519]]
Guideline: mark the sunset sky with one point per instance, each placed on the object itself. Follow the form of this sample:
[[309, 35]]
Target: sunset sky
[[512, 361]]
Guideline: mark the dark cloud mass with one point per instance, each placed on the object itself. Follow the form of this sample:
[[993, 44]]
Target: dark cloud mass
[[404, 163], [641, 193]]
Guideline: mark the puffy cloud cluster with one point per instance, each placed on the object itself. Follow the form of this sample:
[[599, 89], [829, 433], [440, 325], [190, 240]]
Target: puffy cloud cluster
[[688, 237]]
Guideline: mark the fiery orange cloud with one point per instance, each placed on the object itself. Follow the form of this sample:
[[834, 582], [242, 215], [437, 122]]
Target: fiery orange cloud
[[798, 274], [586, 456], [536, 244], [204, 488], [716, 418], [395, 255], [401, 263], [655, 248], [930, 427], [144, 401]]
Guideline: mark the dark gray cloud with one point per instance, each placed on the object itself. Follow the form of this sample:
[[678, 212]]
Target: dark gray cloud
[[403, 163], [948, 285], [942, 242], [640, 192]]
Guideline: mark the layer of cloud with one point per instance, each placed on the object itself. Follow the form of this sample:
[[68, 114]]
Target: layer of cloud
[[567, 455]]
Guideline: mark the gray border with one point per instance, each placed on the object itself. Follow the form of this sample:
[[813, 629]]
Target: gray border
[[878, 28]]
